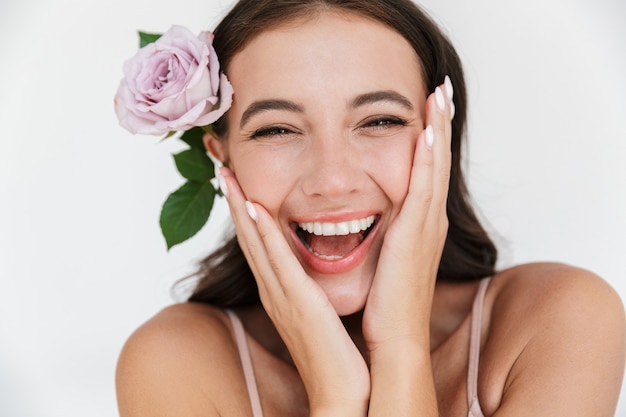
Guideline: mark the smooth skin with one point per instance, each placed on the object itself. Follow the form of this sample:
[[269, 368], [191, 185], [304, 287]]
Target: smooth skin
[[381, 337]]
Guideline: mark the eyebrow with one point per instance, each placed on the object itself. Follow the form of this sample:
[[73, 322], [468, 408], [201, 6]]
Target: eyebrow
[[272, 104], [377, 96], [358, 101]]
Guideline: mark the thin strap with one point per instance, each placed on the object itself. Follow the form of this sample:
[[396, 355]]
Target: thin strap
[[246, 363], [474, 350]]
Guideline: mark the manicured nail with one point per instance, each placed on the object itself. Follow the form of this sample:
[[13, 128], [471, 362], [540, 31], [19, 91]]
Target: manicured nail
[[441, 105], [449, 89], [251, 211], [221, 182], [430, 136], [452, 110]]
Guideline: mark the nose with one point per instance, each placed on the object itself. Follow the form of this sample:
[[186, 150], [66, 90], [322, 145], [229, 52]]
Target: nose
[[333, 168]]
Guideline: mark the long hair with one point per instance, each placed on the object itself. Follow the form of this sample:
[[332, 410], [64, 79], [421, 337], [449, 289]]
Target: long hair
[[224, 277]]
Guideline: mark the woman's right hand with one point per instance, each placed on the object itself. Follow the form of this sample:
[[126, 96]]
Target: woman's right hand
[[333, 370]]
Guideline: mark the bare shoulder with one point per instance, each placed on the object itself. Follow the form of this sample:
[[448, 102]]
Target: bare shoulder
[[558, 289], [176, 364], [556, 342]]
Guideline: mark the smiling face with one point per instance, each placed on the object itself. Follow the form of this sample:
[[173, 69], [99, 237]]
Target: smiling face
[[322, 132]]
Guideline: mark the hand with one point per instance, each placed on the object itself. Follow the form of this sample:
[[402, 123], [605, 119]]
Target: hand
[[400, 301], [333, 371]]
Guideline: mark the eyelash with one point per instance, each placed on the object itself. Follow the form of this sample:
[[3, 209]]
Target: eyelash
[[271, 131]]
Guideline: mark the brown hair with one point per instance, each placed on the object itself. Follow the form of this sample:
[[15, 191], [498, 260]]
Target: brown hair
[[225, 279]]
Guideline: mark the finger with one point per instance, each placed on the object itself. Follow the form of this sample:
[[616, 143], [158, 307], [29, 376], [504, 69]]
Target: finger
[[439, 112], [247, 234], [430, 173], [283, 263]]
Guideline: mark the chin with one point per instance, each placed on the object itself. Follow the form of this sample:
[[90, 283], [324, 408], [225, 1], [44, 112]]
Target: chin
[[346, 295], [347, 307]]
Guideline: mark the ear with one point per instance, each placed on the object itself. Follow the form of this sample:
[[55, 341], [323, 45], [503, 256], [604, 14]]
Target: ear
[[214, 146]]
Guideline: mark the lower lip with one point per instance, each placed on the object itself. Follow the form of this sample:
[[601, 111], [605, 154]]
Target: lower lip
[[336, 266]]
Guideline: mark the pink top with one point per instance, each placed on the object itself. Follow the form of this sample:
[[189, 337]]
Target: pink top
[[472, 371], [474, 351], [246, 363]]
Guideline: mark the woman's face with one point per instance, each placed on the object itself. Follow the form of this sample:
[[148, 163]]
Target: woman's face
[[322, 131]]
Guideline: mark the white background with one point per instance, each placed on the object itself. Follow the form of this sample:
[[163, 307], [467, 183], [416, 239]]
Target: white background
[[82, 262]]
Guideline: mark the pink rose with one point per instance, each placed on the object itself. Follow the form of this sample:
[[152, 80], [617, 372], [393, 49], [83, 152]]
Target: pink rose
[[173, 85]]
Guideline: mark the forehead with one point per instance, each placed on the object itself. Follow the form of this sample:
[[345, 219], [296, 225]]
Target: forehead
[[330, 51]]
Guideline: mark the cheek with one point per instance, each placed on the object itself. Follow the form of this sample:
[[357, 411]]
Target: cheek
[[263, 177], [393, 169]]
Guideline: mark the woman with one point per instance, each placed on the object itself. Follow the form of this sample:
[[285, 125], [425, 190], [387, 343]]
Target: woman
[[376, 291]]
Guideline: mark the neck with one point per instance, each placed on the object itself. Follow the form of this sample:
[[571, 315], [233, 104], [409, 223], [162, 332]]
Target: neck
[[451, 305]]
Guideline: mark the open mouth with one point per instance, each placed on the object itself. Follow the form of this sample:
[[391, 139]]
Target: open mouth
[[333, 241]]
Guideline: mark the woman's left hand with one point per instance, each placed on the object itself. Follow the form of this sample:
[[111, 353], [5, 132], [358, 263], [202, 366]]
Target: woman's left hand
[[399, 304]]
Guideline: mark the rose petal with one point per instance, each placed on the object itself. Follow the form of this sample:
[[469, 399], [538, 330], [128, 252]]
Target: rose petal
[[226, 100]]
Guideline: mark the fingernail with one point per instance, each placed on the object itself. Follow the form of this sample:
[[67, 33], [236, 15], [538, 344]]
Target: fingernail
[[452, 110], [221, 182], [430, 136], [251, 211], [441, 105], [449, 89]]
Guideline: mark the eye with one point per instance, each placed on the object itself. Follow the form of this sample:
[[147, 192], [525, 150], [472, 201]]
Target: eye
[[272, 131], [382, 123]]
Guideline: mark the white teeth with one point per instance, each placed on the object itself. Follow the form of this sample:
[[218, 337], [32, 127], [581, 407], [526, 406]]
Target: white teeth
[[328, 229], [338, 229], [342, 229]]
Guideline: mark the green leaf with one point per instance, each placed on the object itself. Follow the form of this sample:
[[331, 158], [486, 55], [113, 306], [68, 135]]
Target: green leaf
[[195, 165], [185, 211], [193, 138], [147, 38]]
